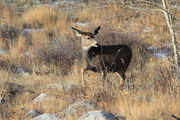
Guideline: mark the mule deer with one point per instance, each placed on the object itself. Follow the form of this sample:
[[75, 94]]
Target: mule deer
[[110, 58]]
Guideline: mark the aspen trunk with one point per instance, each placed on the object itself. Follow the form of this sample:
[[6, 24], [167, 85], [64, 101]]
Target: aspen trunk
[[172, 32]]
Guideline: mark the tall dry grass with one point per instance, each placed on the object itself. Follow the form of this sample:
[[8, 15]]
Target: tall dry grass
[[151, 91]]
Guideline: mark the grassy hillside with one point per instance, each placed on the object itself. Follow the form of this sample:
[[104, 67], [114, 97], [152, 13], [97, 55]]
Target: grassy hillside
[[38, 40]]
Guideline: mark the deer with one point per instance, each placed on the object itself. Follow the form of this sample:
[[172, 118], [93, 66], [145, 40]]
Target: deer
[[103, 58]]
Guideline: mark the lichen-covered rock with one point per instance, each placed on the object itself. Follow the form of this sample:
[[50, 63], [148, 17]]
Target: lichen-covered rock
[[2, 51], [41, 97], [78, 108], [100, 115], [46, 117], [33, 113]]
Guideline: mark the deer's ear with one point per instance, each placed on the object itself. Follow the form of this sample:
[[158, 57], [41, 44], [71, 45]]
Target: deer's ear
[[96, 30], [77, 32]]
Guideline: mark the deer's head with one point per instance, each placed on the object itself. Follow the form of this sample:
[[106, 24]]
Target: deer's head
[[87, 37]]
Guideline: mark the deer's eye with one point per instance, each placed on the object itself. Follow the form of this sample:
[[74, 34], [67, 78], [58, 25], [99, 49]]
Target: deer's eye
[[88, 38]]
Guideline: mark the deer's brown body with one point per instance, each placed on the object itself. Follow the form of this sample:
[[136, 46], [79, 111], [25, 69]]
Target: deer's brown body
[[99, 58]]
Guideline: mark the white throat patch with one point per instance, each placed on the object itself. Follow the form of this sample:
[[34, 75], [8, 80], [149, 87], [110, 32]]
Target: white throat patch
[[86, 48]]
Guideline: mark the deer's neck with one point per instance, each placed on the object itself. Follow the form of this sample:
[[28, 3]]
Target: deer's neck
[[85, 51]]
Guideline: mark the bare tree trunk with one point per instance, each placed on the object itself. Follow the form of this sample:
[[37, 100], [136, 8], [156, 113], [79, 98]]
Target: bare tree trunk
[[172, 32]]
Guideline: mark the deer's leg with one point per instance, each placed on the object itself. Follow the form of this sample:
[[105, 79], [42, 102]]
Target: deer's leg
[[105, 76], [121, 75], [82, 77]]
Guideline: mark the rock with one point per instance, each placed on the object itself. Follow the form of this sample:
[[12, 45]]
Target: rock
[[14, 68], [22, 71], [83, 24], [147, 29], [10, 90], [99, 115], [1, 100], [9, 1], [78, 108], [46, 117], [65, 88], [41, 97], [10, 87], [11, 93], [27, 30], [33, 113], [2, 51], [160, 52]]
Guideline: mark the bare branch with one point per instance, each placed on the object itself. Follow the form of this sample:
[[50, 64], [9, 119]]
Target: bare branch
[[172, 32]]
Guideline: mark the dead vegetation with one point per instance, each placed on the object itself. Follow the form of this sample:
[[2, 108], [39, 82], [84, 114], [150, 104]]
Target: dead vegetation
[[40, 40]]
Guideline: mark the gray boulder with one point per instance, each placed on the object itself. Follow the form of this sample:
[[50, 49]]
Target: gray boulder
[[33, 113], [41, 97], [99, 115], [1, 100], [78, 108], [46, 117], [2, 51]]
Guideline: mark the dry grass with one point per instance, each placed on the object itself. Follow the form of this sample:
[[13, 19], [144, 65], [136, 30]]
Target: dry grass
[[152, 92], [144, 110], [45, 18], [7, 15]]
